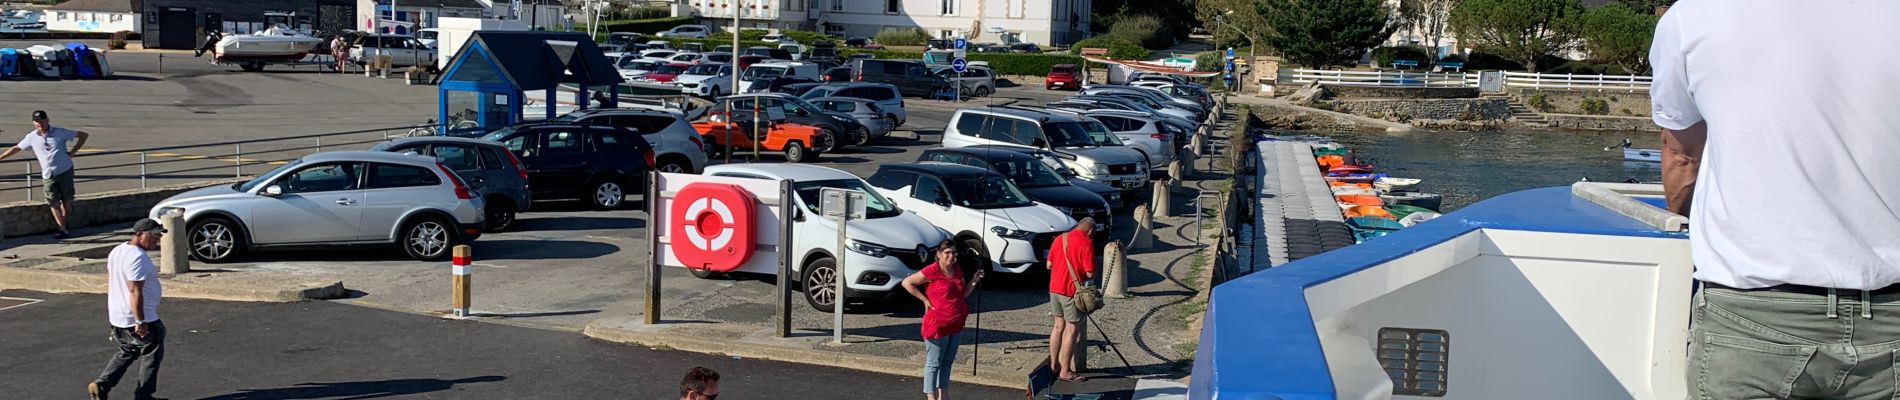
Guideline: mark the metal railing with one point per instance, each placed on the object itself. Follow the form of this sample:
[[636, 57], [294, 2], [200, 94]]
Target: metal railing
[[1465, 79], [137, 168]]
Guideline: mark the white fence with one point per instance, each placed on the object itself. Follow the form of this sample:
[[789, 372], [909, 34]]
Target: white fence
[[1291, 76]]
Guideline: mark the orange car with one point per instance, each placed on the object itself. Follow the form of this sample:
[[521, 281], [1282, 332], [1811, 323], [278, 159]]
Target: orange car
[[799, 143]]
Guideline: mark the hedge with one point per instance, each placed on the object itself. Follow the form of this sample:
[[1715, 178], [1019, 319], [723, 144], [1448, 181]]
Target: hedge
[[1382, 57], [902, 37], [645, 26], [1117, 48], [1143, 30]]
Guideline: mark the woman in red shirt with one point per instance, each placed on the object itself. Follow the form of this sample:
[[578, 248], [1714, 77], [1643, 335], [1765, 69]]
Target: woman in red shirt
[[942, 289]]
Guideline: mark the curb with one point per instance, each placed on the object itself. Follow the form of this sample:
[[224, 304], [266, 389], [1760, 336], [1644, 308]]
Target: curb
[[74, 282], [697, 344]]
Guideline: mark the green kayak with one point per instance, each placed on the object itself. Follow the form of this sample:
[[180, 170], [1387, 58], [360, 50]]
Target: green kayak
[[1401, 210]]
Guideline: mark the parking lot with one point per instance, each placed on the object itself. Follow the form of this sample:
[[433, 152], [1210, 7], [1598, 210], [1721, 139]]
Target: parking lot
[[563, 267]]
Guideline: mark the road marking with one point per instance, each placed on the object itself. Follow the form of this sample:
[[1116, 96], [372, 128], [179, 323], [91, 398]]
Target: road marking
[[15, 302]]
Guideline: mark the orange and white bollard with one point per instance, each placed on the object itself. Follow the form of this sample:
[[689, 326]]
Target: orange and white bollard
[[459, 265]]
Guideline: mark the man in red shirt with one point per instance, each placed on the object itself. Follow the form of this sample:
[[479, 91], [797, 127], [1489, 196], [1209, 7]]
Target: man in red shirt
[[1072, 250]]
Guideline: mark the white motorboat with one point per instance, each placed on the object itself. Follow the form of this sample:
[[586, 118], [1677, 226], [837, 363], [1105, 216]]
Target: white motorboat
[[1390, 184], [279, 43], [1635, 154]]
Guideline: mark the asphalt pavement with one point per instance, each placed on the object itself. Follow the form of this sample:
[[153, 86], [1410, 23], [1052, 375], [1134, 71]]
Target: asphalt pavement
[[323, 350]]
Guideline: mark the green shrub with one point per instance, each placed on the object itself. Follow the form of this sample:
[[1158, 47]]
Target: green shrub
[[1382, 57], [117, 40], [1117, 48], [1479, 60], [1594, 106], [901, 37], [1144, 30], [1456, 58], [1208, 62], [1584, 68], [631, 12], [645, 26], [1539, 102]]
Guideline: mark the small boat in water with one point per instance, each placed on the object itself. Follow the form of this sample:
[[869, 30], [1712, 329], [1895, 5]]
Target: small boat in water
[[1391, 184], [1402, 211], [279, 43], [1417, 218], [1429, 201], [1366, 228], [1636, 154]]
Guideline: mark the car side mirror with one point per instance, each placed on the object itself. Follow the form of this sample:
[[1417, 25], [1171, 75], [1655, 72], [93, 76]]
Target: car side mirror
[[273, 190]]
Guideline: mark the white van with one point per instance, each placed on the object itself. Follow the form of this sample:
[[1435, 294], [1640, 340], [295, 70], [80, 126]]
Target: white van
[[765, 72], [886, 246], [1071, 137]]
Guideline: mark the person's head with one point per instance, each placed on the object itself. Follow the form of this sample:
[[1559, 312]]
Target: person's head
[[41, 122], [1086, 225], [701, 383], [146, 234], [945, 252]]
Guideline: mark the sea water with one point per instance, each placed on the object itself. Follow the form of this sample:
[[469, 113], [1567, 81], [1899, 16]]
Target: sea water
[[1470, 166]]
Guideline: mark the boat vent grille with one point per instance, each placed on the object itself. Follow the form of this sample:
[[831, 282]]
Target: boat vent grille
[[1416, 360]]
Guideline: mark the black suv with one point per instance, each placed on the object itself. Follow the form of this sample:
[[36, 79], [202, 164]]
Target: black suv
[[594, 163], [912, 78], [1043, 184]]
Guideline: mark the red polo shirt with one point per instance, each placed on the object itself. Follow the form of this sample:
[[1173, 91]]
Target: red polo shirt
[[1070, 250]]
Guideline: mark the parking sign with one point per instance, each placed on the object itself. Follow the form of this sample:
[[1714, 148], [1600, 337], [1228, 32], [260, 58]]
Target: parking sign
[[959, 65]]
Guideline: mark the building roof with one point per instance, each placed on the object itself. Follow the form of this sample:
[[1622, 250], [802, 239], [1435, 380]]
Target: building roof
[[117, 6], [537, 60]]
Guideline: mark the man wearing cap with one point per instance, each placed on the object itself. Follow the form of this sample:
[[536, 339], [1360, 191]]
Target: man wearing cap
[[56, 164], [132, 294]]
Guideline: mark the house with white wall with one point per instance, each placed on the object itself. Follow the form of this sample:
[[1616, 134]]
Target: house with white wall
[[1003, 21], [94, 16], [405, 16]]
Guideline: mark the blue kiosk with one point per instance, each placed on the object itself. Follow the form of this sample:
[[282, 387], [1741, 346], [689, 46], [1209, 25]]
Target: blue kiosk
[[483, 88]]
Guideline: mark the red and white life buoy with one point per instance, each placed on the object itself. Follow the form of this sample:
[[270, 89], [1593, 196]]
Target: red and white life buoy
[[713, 226]]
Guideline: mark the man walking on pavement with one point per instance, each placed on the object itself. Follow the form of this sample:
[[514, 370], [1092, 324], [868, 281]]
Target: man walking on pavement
[[132, 294], [56, 164], [1792, 193], [700, 383]]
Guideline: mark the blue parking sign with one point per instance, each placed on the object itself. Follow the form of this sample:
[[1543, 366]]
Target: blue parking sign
[[961, 44], [959, 65], [1230, 52]]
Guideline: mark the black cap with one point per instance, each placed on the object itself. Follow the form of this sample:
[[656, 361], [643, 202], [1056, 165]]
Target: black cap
[[39, 115], [147, 225]]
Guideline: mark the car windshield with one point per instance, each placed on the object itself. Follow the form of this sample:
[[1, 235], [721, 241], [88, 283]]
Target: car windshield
[[875, 206], [802, 104], [259, 180], [758, 72], [818, 92], [988, 192], [1067, 134], [670, 69], [1099, 132], [704, 69], [1030, 173]]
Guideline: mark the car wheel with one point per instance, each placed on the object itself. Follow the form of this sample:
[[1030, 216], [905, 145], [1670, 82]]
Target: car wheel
[[795, 152], [893, 117], [985, 91], [608, 194], [819, 282], [864, 136], [711, 147], [500, 215], [428, 239], [215, 240], [675, 167], [966, 92], [972, 256]]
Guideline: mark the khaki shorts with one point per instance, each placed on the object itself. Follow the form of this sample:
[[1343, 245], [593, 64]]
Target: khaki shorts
[[59, 188], [1064, 306]]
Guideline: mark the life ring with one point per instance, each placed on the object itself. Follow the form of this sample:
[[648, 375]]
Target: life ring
[[713, 226]]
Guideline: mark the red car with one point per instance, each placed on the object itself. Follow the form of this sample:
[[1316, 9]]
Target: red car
[[666, 73], [1062, 76]]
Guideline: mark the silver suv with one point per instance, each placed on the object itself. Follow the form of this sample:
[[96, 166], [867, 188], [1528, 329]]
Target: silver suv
[[677, 146], [334, 198]]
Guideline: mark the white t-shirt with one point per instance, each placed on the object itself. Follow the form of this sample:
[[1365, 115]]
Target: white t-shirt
[[51, 150], [126, 264], [1800, 179]]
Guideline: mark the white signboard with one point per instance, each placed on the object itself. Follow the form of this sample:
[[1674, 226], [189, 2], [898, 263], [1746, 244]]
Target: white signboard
[[711, 222]]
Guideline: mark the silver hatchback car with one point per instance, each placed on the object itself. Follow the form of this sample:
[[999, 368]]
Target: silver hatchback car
[[334, 198]]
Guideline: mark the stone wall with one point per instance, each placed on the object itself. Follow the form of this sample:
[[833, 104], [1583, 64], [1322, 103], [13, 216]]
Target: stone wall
[[1602, 123], [1297, 118], [1371, 92], [1405, 110], [31, 217], [1569, 101]]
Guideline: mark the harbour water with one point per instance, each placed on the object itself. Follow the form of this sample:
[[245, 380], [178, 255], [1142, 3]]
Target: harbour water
[[1470, 166]]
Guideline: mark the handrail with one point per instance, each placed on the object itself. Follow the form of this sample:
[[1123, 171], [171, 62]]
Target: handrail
[[1465, 79], [232, 157]]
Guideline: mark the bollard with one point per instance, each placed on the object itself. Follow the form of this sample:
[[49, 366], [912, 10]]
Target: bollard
[[1175, 174], [1144, 229], [174, 249], [1115, 271], [1160, 199], [459, 265], [1186, 159]]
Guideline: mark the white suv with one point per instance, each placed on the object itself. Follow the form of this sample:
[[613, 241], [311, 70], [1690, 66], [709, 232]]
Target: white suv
[[1069, 135], [992, 220], [677, 148], [708, 79], [887, 246]]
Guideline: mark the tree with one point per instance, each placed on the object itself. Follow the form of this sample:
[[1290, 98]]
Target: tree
[[1428, 18], [1240, 21], [1319, 33], [1618, 36], [1519, 30]]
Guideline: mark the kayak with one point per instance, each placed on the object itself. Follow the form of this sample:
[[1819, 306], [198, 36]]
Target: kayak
[[1429, 201], [1359, 199], [1401, 210], [1366, 228], [1369, 211], [1351, 177]]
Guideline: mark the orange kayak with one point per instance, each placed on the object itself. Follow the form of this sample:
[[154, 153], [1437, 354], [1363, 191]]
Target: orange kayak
[[1368, 211], [1360, 200]]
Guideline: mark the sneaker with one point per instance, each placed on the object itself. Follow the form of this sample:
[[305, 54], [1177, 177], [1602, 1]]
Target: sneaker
[[93, 392], [62, 235]]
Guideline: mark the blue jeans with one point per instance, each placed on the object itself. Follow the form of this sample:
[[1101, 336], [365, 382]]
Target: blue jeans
[[939, 355], [1764, 344]]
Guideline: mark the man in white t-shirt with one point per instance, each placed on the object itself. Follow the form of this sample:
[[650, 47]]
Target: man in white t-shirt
[[132, 295], [56, 164], [1780, 128]]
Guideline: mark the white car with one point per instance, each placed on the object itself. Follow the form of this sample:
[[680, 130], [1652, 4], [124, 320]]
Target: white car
[[1071, 137], [686, 57], [886, 246], [663, 55], [759, 74], [634, 68], [990, 218], [403, 50], [706, 80], [686, 32]]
